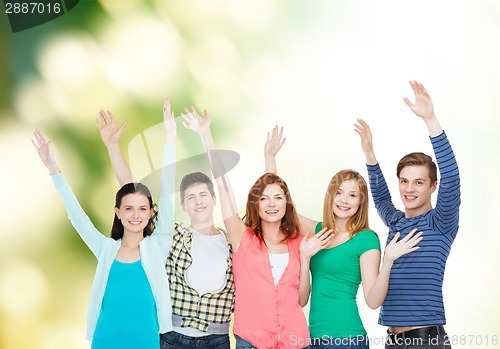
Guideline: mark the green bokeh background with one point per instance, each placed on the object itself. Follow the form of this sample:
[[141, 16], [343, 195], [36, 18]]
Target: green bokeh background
[[311, 66]]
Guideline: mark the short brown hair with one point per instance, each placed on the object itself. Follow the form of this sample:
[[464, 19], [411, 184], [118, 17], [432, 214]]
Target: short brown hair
[[290, 225], [418, 159], [195, 178]]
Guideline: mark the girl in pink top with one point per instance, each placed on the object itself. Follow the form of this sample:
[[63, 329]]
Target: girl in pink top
[[267, 253]]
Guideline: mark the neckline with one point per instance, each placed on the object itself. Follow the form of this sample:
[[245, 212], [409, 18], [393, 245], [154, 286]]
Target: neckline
[[121, 262]]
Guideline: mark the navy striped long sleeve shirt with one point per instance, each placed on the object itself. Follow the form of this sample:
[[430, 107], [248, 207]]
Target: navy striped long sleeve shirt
[[415, 296]]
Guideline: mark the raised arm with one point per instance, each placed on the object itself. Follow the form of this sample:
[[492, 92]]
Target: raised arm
[[424, 108], [273, 144], [375, 283], [110, 135], [79, 219], [363, 130], [165, 228], [378, 186], [234, 224]]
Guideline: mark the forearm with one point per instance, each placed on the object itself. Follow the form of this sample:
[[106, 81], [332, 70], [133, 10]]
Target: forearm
[[304, 283], [119, 165], [78, 218], [270, 164], [433, 126], [376, 294], [370, 158], [234, 225], [165, 227]]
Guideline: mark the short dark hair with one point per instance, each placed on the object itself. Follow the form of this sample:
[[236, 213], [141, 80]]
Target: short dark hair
[[195, 178], [132, 188], [418, 159]]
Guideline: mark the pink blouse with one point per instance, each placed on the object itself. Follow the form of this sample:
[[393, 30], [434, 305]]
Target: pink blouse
[[266, 315]]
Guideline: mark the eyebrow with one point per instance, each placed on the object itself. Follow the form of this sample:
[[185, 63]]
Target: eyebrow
[[416, 179]]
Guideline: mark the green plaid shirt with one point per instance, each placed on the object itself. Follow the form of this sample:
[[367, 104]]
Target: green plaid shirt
[[196, 311]]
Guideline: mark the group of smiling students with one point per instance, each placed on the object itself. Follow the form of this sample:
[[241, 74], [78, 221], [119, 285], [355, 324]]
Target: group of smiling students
[[161, 284]]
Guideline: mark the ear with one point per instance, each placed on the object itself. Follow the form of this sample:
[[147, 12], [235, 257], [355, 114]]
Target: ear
[[183, 206], [214, 198], [434, 186], [152, 211], [116, 212]]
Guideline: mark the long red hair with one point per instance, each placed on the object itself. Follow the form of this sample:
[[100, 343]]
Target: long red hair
[[290, 226]]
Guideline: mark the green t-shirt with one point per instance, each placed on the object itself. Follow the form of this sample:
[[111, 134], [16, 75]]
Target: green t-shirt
[[336, 277]]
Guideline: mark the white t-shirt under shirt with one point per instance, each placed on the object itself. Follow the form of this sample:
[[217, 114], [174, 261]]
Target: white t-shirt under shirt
[[279, 261], [207, 272]]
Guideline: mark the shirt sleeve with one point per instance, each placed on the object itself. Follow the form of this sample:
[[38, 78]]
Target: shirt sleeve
[[381, 196], [164, 230], [445, 219], [79, 219], [367, 240]]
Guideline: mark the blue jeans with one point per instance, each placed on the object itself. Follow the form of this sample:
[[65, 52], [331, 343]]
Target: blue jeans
[[174, 340], [243, 344], [354, 342]]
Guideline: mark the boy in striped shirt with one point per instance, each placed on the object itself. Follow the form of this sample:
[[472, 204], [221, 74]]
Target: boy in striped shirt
[[413, 309]]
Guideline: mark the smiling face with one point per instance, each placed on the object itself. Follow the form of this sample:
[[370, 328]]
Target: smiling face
[[347, 200], [198, 203], [415, 189], [134, 213], [272, 204]]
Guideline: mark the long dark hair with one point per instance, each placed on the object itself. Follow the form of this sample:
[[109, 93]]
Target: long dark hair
[[290, 226], [132, 188]]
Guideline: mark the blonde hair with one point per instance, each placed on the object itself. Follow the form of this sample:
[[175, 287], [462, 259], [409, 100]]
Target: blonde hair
[[359, 221]]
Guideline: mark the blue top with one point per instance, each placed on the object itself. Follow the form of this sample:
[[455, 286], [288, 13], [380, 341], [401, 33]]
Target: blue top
[[153, 249], [129, 299], [415, 296]]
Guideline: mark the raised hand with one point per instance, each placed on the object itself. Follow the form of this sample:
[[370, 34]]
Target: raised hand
[[169, 122], [195, 122], [309, 246], [44, 148], [423, 106], [274, 142], [363, 130], [110, 134], [396, 249]]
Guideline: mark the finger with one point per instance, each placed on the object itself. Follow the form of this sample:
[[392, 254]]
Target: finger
[[102, 118], [396, 237], [206, 114], [280, 135], [407, 101], [111, 117], [35, 145], [185, 125], [410, 234], [121, 128], [187, 118]]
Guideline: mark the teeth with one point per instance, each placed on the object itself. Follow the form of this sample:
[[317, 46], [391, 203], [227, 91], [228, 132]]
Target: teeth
[[271, 211]]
